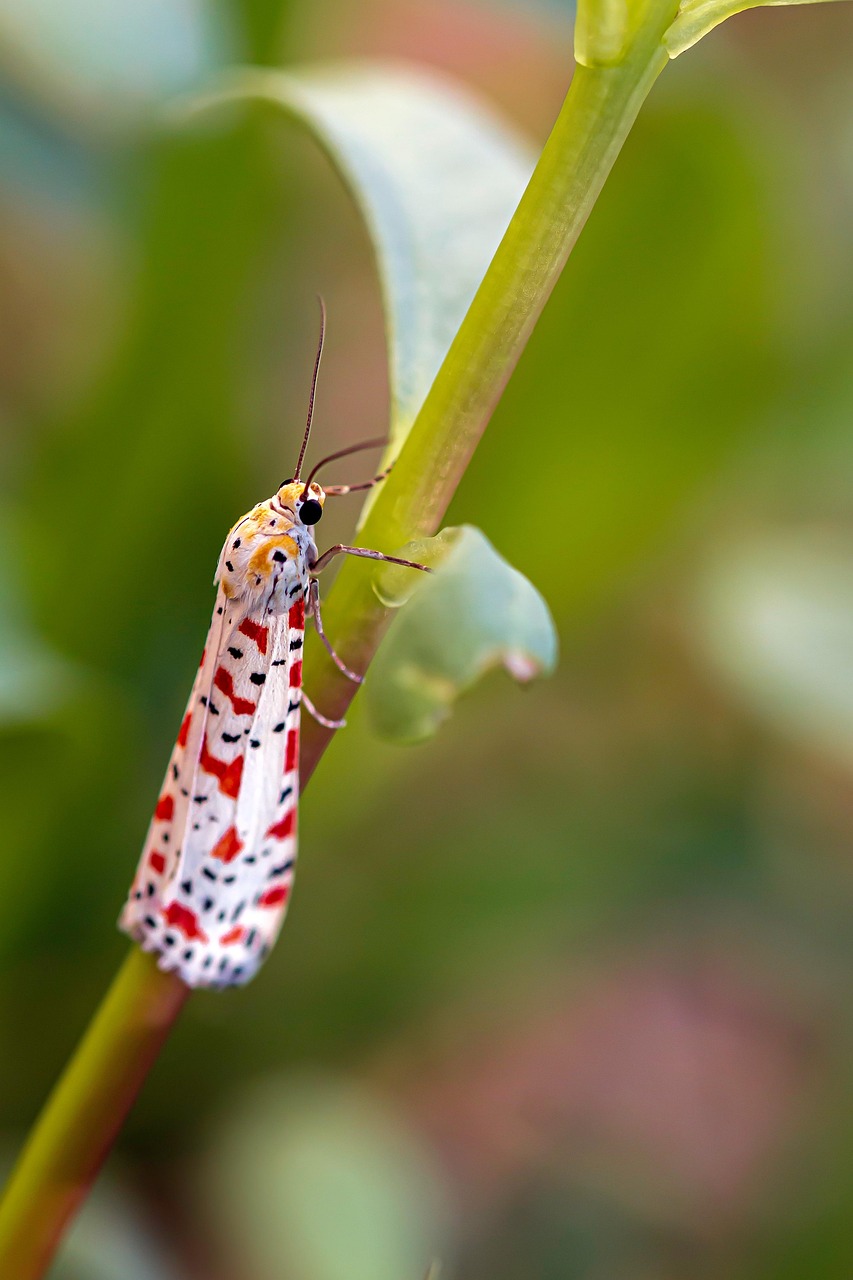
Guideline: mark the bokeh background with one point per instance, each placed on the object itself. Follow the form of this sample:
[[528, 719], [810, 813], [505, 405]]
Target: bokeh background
[[564, 993]]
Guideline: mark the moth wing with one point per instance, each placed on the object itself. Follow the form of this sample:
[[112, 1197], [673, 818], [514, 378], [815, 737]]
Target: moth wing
[[219, 907], [162, 848]]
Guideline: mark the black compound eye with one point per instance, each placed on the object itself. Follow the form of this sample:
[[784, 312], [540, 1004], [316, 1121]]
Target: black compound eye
[[284, 482], [310, 511]]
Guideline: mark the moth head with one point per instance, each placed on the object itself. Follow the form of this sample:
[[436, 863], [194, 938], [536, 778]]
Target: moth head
[[306, 502]]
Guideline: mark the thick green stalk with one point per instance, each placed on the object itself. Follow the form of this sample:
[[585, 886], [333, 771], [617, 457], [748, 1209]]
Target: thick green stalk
[[598, 113], [85, 1112]]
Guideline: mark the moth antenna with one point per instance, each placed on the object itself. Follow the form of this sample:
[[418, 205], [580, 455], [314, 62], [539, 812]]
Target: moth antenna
[[301, 457], [344, 453]]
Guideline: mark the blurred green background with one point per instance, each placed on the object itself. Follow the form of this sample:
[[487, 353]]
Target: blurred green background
[[564, 993]]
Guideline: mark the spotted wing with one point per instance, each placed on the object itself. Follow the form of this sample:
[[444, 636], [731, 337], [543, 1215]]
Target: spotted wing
[[161, 850], [215, 877]]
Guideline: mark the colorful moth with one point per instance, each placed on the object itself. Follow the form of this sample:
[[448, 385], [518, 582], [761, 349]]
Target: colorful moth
[[212, 886]]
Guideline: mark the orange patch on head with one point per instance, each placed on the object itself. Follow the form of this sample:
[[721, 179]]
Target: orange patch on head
[[290, 494]]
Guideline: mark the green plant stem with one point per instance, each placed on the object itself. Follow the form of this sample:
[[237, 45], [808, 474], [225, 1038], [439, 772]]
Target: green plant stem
[[85, 1112], [88, 1106], [598, 113]]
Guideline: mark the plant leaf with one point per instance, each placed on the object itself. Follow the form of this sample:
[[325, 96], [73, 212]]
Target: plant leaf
[[775, 619], [317, 1178], [435, 208], [695, 18], [476, 612]]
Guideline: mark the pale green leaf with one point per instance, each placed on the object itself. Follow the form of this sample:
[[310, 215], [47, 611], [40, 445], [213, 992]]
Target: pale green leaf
[[775, 619], [320, 1180], [695, 18], [436, 175], [475, 612]]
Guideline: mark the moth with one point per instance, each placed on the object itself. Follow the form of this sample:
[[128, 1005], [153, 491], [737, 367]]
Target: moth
[[213, 883]]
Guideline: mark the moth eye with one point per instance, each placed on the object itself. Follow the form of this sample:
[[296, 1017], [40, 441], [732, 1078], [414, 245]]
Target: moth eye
[[310, 511], [284, 482]]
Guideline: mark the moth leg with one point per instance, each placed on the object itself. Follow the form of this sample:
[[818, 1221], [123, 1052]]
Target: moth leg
[[321, 719], [338, 489], [341, 549], [314, 609]]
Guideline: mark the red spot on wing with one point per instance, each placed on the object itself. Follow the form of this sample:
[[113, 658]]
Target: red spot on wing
[[185, 920], [291, 750], [255, 632], [229, 783], [273, 897], [224, 682], [228, 846], [284, 827], [183, 732], [203, 656], [165, 808], [157, 862], [229, 774], [296, 616], [237, 934], [295, 680]]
